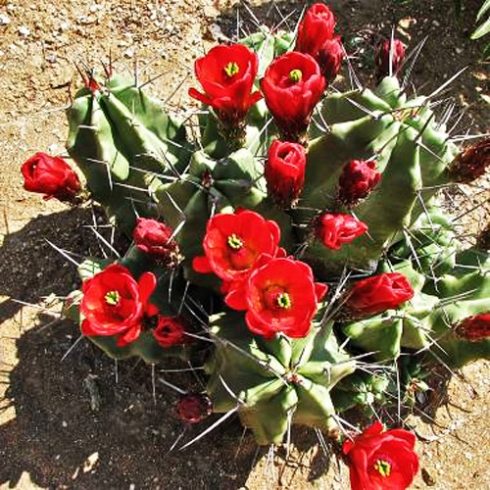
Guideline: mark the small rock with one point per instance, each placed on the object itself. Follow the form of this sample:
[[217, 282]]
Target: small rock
[[24, 31], [129, 53], [4, 20]]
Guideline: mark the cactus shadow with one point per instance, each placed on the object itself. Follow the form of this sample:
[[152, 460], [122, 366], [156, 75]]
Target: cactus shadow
[[30, 268], [76, 426]]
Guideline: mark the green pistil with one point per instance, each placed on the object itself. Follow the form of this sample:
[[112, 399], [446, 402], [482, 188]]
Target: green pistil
[[295, 75], [235, 242], [112, 298], [383, 467], [231, 69], [283, 301]]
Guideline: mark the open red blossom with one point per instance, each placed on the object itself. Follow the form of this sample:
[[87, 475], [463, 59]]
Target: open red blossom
[[379, 293], [285, 171], [194, 408], [227, 75], [335, 230], [475, 328], [155, 238], [357, 180], [381, 459], [316, 27], [280, 295], [51, 176], [169, 331], [233, 243], [114, 303], [292, 86], [389, 54]]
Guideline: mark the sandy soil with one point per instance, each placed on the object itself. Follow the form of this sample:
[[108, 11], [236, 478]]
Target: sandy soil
[[51, 433]]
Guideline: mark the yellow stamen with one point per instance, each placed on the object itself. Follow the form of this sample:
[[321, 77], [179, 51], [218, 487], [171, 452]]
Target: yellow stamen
[[231, 69], [112, 298], [295, 75], [235, 242], [283, 301], [383, 467]]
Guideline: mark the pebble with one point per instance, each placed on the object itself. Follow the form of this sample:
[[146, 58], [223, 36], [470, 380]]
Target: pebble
[[129, 53], [24, 31], [4, 20]]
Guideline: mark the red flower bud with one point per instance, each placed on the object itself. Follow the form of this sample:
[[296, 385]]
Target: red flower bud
[[334, 230], [292, 86], [51, 176], [471, 163], [377, 294], [227, 75], [114, 303], [330, 58], [169, 331], [475, 328], [285, 172], [280, 295], [155, 238], [316, 27], [389, 54], [357, 180], [194, 408], [379, 459]]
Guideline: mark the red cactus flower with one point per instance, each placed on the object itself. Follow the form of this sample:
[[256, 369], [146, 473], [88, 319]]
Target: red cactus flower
[[316, 27], [381, 459], [330, 58], [227, 75], [389, 54], [114, 303], [233, 243], [471, 163], [335, 230], [357, 180], [292, 86], [377, 294], [285, 172], [169, 331], [475, 328], [51, 176], [155, 238], [194, 408], [280, 295]]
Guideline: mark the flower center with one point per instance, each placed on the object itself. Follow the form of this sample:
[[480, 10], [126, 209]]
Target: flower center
[[295, 75], [235, 242], [383, 467], [283, 300], [231, 69], [112, 298]]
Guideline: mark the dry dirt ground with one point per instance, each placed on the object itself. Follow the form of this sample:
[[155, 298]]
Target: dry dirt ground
[[50, 435]]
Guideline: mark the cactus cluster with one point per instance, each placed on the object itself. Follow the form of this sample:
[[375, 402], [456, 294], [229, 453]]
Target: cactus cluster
[[374, 157]]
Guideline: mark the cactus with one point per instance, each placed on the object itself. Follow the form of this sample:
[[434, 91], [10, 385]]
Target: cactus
[[275, 383], [411, 153], [117, 136]]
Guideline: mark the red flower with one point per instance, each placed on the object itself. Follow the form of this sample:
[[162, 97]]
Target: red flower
[[233, 242], [357, 180], [334, 230], [315, 29], [471, 163], [155, 238], [378, 293], [51, 176], [292, 86], [330, 58], [474, 328], [169, 331], [280, 295], [389, 54], [227, 75], [381, 460], [194, 408], [114, 303], [285, 171]]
